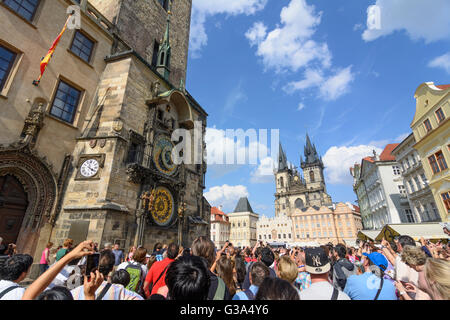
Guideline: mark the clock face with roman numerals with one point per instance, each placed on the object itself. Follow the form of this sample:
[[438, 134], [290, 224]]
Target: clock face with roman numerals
[[89, 168]]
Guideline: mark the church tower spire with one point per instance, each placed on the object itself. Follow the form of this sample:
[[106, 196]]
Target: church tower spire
[[163, 65], [282, 160]]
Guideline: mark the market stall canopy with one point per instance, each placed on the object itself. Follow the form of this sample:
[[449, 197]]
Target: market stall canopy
[[367, 235], [429, 231]]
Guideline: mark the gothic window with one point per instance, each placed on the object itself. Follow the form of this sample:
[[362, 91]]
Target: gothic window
[[281, 183], [155, 53], [164, 4], [311, 176], [135, 151], [299, 203]]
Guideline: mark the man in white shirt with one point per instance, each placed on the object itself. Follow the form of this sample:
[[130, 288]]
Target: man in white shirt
[[12, 273], [318, 265]]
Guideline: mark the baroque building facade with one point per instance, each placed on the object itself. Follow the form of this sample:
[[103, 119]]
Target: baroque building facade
[[431, 129], [415, 184], [277, 229], [87, 152]]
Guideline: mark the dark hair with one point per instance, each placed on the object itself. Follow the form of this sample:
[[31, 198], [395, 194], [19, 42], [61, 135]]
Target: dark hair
[[121, 277], [267, 256], [204, 247], [276, 289], [258, 272], [106, 263], [172, 251], [248, 252], [158, 246], [406, 241], [14, 266], [187, 278], [341, 250], [56, 293], [394, 246], [140, 255], [241, 272], [3, 249]]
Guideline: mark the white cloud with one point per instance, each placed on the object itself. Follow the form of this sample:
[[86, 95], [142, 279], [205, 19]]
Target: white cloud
[[203, 9], [301, 106], [338, 161], [290, 47], [226, 195], [264, 172], [427, 20], [313, 78], [256, 34], [337, 85], [441, 62]]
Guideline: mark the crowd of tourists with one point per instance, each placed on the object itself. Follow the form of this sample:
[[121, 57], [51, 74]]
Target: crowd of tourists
[[397, 270]]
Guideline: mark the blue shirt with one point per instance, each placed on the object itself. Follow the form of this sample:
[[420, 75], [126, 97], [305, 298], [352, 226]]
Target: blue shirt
[[365, 287], [242, 296], [118, 254]]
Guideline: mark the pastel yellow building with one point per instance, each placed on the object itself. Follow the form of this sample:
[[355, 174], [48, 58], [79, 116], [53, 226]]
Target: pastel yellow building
[[431, 128]]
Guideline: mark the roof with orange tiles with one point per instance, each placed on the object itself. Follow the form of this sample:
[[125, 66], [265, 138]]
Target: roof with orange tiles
[[387, 155], [215, 210], [443, 86]]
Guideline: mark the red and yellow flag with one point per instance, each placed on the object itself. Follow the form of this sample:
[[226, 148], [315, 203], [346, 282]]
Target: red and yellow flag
[[45, 61]]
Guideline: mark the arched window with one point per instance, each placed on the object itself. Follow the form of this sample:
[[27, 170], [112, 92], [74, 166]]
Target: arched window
[[281, 182], [299, 203], [311, 176]]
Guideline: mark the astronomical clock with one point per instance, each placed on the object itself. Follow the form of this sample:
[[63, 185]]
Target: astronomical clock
[[163, 211]]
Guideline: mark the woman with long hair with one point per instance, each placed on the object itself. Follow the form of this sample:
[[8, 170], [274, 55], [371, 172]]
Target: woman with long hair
[[224, 269]]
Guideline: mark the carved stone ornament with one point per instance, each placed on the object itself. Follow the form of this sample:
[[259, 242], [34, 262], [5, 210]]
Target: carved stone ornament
[[32, 125], [102, 143], [93, 143], [117, 125]]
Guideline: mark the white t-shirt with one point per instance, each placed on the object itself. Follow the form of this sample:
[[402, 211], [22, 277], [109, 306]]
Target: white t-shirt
[[322, 290], [405, 273], [15, 294], [124, 265]]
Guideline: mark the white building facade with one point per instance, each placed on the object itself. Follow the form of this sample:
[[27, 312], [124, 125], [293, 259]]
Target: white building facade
[[243, 225], [220, 227], [276, 229], [378, 185], [415, 184]]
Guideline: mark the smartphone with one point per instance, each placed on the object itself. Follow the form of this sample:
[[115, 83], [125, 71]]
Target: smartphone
[[92, 263]]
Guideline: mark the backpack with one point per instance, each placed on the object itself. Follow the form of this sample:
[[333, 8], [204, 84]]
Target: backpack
[[249, 294], [220, 291], [135, 272]]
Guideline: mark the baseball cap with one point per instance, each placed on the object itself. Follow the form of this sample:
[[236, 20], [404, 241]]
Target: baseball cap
[[378, 259], [316, 261]]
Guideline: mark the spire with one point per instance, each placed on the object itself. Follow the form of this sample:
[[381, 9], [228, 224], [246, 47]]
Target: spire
[[311, 155], [282, 161], [163, 65]]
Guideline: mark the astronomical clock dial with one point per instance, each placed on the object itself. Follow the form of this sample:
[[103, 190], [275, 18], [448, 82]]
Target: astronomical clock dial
[[163, 207], [89, 168], [162, 155]]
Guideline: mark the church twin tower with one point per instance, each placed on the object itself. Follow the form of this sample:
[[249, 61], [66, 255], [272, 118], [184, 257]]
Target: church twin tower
[[295, 192]]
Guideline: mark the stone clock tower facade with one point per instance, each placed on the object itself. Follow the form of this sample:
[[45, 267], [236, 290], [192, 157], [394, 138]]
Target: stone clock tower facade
[[294, 191], [124, 185]]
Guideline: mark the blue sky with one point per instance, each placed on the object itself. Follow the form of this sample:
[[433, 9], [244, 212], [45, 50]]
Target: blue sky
[[311, 66]]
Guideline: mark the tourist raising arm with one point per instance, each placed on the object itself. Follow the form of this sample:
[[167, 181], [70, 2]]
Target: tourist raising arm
[[40, 284], [387, 251], [218, 255], [90, 286]]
